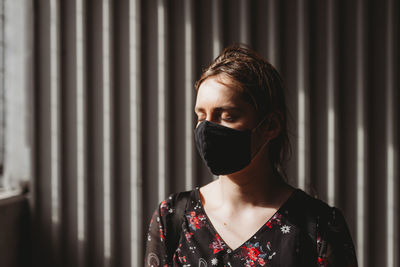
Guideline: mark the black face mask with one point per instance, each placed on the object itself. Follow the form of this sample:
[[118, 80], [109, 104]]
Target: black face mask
[[223, 149]]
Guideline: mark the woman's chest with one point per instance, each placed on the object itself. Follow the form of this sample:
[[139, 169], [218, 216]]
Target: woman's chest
[[277, 243], [237, 228]]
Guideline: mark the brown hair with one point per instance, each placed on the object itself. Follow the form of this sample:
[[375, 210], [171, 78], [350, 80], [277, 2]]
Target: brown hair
[[262, 87]]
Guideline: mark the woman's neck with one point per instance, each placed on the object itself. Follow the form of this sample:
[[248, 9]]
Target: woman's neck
[[256, 185]]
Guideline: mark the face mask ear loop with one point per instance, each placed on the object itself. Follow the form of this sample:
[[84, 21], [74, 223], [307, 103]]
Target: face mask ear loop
[[252, 133], [259, 124]]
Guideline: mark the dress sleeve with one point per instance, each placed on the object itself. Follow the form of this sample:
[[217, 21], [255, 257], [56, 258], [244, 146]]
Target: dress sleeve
[[335, 246], [156, 249]]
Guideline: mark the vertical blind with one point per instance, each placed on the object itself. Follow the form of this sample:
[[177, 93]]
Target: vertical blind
[[114, 120]]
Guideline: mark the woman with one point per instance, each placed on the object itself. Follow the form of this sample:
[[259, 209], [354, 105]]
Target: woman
[[249, 216]]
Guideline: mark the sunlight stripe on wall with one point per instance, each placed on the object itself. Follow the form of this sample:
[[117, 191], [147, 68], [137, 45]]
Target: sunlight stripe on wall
[[391, 146], [331, 106], [162, 97], [244, 25], [80, 127], [361, 137], [135, 133], [216, 10], [54, 113], [106, 28], [303, 94], [189, 91]]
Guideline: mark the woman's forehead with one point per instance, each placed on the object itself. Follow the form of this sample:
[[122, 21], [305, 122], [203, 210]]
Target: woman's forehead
[[217, 91]]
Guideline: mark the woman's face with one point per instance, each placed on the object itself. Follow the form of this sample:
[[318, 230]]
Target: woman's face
[[223, 104]]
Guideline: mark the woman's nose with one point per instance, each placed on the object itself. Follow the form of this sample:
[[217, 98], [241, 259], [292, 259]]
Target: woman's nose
[[206, 119], [212, 118]]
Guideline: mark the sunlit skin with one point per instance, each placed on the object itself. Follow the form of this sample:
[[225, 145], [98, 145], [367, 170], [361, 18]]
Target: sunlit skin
[[240, 203]]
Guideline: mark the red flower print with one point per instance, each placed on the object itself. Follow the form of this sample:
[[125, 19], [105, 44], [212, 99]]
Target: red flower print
[[164, 207], [162, 236], [322, 262], [275, 220], [182, 259], [253, 254], [195, 222], [188, 236], [217, 245]]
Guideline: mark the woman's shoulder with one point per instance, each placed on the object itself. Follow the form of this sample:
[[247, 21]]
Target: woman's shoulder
[[307, 211], [307, 204], [175, 201]]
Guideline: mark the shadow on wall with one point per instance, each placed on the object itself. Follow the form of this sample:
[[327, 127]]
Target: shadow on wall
[[15, 232]]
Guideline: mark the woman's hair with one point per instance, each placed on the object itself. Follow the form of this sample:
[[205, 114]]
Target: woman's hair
[[261, 86]]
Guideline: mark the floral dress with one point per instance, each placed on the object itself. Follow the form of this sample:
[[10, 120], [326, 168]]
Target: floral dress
[[303, 232]]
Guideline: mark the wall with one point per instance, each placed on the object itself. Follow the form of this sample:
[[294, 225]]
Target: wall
[[16, 137], [114, 114], [16, 88]]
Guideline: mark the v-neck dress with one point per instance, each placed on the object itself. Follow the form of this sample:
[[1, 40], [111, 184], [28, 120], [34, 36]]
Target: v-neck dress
[[304, 231]]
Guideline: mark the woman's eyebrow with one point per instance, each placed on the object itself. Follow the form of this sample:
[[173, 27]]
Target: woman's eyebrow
[[226, 108], [219, 109], [197, 109]]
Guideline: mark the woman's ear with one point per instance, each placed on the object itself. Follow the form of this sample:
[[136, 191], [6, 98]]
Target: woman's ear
[[272, 126]]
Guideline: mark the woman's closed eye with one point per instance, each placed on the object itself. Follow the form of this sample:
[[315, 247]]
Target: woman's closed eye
[[228, 117], [218, 117]]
